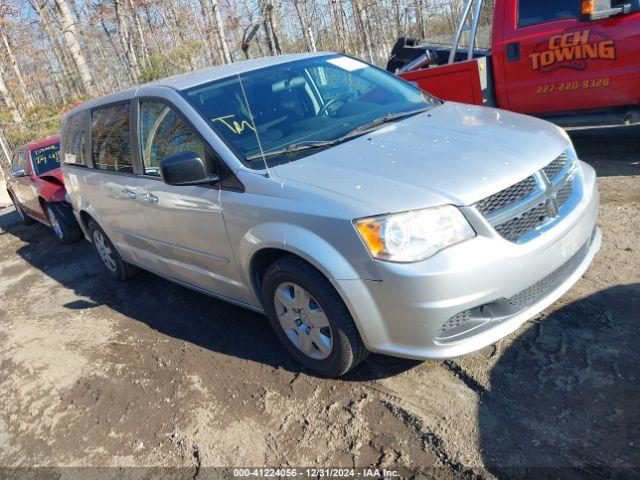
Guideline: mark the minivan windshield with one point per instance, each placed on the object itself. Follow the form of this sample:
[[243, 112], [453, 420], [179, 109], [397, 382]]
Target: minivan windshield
[[45, 158], [285, 112]]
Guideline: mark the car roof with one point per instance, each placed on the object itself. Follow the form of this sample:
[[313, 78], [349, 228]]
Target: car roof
[[198, 77], [41, 142]]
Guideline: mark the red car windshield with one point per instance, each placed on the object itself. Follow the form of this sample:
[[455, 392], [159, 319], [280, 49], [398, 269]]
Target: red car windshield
[[46, 158]]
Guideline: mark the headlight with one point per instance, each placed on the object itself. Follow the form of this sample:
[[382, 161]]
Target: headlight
[[413, 236]]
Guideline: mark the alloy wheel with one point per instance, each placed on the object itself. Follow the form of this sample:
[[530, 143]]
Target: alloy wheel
[[104, 251]]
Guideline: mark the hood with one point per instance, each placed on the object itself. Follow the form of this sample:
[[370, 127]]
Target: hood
[[453, 154]]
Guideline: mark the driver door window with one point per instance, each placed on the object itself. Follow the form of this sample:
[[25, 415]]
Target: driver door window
[[164, 132]]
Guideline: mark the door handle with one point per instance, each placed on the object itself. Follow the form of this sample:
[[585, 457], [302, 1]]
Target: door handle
[[149, 198], [129, 194]]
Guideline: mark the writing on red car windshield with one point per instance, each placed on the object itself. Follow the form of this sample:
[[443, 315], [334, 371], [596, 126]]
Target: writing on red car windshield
[[46, 158]]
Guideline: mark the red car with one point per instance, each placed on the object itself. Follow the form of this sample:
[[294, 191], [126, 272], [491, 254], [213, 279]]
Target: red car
[[36, 187]]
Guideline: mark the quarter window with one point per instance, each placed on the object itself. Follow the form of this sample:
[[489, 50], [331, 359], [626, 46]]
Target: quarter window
[[110, 139], [535, 12], [164, 132], [74, 139]]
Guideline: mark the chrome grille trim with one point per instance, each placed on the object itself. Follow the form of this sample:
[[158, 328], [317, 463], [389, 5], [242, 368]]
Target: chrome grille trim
[[508, 196], [521, 209], [556, 167]]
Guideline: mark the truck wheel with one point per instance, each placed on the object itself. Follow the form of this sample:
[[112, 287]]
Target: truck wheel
[[111, 259], [63, 223], [310, 318], [26, 219]]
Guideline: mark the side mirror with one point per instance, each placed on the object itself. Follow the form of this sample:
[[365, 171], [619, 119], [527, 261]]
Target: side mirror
[[186, 168], [19, 172], [601, 9]]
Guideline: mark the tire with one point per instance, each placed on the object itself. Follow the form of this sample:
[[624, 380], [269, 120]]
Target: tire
[[26, 219], [281, 284], [63, 223], [113, 263]]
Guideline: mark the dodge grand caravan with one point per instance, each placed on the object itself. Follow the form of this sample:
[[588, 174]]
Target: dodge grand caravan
[[359, 213]]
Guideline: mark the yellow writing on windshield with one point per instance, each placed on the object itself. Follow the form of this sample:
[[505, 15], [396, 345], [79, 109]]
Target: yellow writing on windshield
[[233, 125], [46, 154]]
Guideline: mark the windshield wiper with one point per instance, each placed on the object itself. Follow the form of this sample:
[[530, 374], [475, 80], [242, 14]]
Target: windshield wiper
[[388, 118], [315, 144], [293, 148]]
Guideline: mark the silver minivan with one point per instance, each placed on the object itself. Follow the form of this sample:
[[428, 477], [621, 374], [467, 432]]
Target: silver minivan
[[358, 212]]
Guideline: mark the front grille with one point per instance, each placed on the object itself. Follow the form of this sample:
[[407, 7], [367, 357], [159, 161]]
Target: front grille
[[521, 209], [564, 193], [549, 283], [519, 226], [554, 168], [508, 196]]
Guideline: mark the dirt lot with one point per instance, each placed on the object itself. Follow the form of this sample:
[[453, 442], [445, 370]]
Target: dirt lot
[[146, 373]]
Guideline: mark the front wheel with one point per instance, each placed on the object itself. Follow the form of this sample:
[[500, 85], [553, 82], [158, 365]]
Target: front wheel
[[63, 223], [310, 319]]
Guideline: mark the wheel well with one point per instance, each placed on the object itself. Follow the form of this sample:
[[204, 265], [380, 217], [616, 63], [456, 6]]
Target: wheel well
[[262, 260], [85, 218]]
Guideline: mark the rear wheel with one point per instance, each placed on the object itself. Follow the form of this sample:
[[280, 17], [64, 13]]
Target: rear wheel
[[310, 319], [111, 259], [63, 223], [26, 219]]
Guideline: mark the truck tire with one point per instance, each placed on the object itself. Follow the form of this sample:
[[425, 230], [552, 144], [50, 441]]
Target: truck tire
[[63, 223], [111, 259], [310, 319]]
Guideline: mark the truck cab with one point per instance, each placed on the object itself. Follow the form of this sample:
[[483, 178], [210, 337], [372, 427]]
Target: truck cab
[[575, 63]]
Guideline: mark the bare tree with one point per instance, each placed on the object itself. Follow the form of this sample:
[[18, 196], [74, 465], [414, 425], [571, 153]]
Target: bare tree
[[16, 70], [8, 98], [70, 35], [305, 23], [126, 40]]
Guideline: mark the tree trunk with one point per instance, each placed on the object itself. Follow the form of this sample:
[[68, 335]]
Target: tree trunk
[[28, 98], [8, 98], [305, 23], [362, 26], [125, 41], [72, 42], [218, 25]]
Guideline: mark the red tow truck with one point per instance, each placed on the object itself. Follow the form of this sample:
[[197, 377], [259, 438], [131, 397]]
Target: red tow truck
[[575, 63]]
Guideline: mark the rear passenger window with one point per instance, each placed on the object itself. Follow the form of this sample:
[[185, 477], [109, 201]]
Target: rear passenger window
[[110, 139]]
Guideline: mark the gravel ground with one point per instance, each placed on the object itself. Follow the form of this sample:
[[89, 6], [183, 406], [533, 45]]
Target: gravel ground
[[146, 373]]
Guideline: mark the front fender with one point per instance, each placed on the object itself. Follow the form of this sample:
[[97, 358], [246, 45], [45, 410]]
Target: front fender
[[299, 241]]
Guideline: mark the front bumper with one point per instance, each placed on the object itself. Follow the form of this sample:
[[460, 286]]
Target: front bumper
[[473, 294]]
